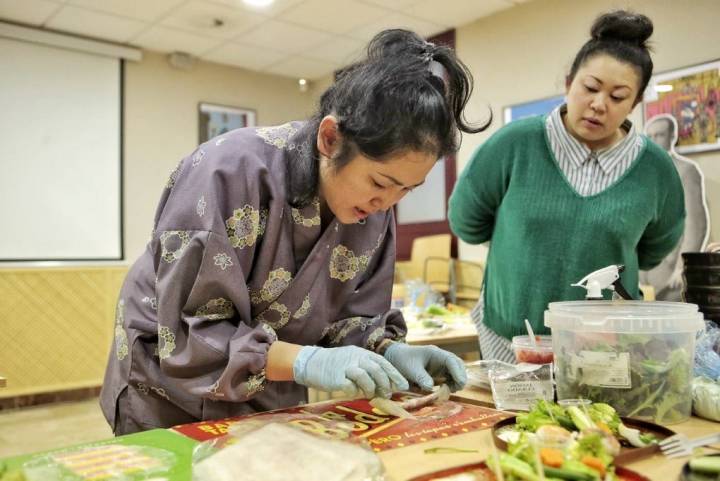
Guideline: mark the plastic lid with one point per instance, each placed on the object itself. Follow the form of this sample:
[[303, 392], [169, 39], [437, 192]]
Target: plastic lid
[[624, 316], [543, 342]]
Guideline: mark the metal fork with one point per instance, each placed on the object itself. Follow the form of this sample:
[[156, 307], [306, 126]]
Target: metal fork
[[680, 445]]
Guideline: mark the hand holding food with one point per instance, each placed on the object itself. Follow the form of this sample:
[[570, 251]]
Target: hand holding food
[[419, 364]]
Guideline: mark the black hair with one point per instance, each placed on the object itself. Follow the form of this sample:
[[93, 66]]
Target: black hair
[[623, 35], [397, 99]]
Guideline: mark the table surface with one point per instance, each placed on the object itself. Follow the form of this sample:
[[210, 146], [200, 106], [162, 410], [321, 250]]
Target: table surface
[[403, 464], [408, 462], [461, 333]]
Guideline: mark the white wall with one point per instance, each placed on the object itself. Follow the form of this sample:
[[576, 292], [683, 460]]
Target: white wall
[[161, 124], [524, 53]]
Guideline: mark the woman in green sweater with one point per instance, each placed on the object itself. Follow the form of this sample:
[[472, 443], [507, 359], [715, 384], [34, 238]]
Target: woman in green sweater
[[565, 194]]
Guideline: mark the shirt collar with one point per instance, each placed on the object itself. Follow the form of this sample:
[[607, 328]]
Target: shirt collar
[[576, 153]]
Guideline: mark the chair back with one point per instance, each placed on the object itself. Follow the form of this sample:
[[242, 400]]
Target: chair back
[[432, 255]]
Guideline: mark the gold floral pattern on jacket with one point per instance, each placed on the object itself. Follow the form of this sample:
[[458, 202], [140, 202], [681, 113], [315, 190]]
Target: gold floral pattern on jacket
[[245, 226], [160, 392], [173, 243], [345, 265], [300, 219], [216, 309], [303, 309], [337, 331], [173, 176], [374, 338], [277, 136], [255, 383], [166, 342], [279, 311], [269, 331], [222, 260], [121, 339], [278, 280]]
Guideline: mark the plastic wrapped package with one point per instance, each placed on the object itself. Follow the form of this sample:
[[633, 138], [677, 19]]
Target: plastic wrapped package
[[517, 387], [275, 448], [113, 462], [478, 372], [706, 398], [707, 352]]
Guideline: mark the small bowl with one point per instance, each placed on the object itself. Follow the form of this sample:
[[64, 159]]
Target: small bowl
[[702, 276], [542, 353], [702, 295], [710, 313], [702, 259]]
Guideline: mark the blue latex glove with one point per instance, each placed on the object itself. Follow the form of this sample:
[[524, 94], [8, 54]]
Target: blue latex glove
[[420, 363], [351, 369]]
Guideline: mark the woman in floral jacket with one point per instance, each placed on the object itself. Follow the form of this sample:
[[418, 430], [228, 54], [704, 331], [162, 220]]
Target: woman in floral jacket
[[271, 263]]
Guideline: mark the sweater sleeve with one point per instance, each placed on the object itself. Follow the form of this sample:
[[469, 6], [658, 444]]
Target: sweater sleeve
[[666, 228], [480, 189]]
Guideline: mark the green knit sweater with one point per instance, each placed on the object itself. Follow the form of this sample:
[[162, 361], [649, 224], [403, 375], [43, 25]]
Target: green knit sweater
[[545, 236]]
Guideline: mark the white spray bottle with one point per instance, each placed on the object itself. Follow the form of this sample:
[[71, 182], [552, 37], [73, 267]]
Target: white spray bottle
[[605, 278]]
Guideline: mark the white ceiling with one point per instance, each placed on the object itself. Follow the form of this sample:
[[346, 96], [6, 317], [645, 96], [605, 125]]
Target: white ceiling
[[294, 38]]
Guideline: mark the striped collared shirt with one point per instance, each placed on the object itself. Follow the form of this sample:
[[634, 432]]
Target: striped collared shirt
[[590, 172]]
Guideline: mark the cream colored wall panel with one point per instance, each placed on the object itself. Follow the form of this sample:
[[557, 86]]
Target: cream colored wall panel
[[56, 326]]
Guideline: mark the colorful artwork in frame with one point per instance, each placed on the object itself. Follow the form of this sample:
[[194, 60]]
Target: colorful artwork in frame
[[528, 109], [691, 96], [215, 120]]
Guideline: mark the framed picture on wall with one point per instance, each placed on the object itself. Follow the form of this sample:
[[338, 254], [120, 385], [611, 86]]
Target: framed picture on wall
[[215, 120], [534, 107], [691, 96]]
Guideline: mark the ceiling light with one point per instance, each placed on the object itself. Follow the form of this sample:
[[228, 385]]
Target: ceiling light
[[258, 3], [303, 85], [663, 88]]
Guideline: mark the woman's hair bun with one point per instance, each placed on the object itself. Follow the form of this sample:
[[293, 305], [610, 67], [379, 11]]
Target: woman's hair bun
[[394, 42], [623, 26]]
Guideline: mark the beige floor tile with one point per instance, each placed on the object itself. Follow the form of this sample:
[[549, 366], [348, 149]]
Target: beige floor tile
[[41, 428]]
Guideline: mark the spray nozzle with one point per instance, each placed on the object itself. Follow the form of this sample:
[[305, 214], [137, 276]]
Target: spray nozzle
[[605, 278]]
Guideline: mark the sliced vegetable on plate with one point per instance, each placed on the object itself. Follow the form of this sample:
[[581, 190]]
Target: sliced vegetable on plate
[[703, 468]]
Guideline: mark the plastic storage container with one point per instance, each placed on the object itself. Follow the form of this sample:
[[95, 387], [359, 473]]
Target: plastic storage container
[[636, 356], [525, 351]]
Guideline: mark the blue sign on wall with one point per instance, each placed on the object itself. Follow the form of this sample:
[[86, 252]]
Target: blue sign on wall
[[528, 109]]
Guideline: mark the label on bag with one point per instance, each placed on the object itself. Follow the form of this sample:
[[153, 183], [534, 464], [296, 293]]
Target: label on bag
[[521, 395], [518, 387], [603, 369]]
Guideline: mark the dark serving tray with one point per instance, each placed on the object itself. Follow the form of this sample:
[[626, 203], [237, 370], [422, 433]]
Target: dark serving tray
[[627, 453]]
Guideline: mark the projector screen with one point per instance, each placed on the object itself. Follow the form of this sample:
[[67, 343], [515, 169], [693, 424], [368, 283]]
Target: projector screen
[[60, 155]]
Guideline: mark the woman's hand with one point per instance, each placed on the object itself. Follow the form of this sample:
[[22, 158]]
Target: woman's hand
[[420, 363], [350, 369]]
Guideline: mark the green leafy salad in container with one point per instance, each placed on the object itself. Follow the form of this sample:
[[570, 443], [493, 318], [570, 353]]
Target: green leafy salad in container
[[636, 356]]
